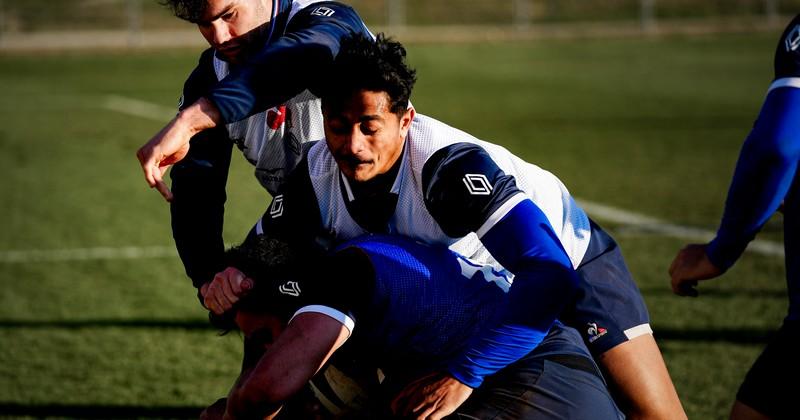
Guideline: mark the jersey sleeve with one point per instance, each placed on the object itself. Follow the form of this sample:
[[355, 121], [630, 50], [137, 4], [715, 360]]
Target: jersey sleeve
[[464, 188], [767, 163], [198, 187], [291, 64], [517, 233]]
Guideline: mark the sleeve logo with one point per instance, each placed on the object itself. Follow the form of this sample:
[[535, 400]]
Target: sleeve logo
[[477, 184], [323, 11], [276, 208], [793, 39], [291, 288]]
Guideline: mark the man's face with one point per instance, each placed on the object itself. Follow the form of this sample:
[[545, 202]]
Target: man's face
[[232, 27], [364, 136]]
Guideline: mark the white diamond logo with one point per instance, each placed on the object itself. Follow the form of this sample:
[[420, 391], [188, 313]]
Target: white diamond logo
[[477, 184], [793, 39], [276, 209]]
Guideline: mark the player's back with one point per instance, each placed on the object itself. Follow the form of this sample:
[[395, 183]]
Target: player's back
[[428, 302]]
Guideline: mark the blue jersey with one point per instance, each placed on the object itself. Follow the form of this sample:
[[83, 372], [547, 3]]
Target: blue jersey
[[411, 307], [766, 173]]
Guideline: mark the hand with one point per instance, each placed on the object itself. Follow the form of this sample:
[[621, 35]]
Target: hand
[[431, 397], [228, 286], [690, 265], [171, 144]]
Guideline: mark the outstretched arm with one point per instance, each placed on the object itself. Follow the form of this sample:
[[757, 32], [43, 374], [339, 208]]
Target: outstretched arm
[[293, 63]]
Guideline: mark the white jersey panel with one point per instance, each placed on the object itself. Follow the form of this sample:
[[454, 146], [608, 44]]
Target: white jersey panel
[[272, 140], [411, 217]]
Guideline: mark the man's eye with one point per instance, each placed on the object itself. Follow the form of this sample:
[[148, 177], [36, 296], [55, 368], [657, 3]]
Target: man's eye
[[368, 130], [228, 16]]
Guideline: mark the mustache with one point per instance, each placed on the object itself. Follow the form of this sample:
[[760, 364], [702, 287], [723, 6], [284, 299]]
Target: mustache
[[353, 160]]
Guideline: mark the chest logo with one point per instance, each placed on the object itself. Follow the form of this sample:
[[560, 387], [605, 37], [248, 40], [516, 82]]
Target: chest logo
[[477, 184], [793, 39], [276, 117], [291, 288], [276, 208], [323, 11]]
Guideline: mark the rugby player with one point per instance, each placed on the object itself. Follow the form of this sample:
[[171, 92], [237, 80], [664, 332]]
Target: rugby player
[[765, 180], [407, 309], [386, 169], [297, 38]]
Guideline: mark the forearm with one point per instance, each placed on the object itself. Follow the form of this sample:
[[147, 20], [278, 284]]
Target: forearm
[[198, 205], [289, 363], [201, 115]]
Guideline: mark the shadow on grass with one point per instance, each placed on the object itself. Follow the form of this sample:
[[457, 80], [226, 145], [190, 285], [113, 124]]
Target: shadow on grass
[[189, 324], [98, 411], [728, 335], [731, 335]]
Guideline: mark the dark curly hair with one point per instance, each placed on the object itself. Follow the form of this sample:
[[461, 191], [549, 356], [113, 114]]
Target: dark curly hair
[[191, 10], [378, 66], [264, 259]]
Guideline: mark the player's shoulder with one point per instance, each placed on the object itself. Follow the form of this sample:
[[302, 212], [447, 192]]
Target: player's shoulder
[[304, 12], [787, 54], [457, 161]]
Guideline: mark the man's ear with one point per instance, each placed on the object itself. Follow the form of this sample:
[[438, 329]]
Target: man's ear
[[405, 121]]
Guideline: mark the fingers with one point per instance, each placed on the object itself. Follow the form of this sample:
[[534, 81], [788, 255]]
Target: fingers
[[164, 190], [226, 289]]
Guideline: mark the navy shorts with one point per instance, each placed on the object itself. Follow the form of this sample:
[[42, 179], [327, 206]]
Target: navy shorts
[[557, 380], [772, 384], [609, 309]]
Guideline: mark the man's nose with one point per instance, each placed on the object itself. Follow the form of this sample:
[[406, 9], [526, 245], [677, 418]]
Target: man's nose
[[356, 141], [221, 32]]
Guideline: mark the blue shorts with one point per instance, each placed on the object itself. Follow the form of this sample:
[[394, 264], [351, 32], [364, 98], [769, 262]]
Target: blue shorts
[[609, 309]]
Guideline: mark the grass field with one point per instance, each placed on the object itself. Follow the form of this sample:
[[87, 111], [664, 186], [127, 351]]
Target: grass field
[[651, 126]]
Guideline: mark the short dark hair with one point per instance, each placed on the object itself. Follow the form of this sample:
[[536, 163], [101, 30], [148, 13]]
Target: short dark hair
[[264, 259], [191, 10], [378, 66]]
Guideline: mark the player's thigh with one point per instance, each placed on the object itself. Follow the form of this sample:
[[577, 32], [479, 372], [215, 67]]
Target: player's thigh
[[773, 382], [539, 388]]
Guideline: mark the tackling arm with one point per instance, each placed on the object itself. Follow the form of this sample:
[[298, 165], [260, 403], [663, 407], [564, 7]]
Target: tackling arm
[[297, 354]]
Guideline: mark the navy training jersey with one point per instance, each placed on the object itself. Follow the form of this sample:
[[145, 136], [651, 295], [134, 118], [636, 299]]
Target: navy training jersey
[[271, 140]]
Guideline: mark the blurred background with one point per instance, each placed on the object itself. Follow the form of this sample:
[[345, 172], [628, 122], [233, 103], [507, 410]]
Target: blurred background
[[639, 106]]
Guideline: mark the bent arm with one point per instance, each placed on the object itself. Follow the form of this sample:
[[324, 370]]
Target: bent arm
[[544, 282], [764, 172], [466, 191], [293, 63], [297, 354]]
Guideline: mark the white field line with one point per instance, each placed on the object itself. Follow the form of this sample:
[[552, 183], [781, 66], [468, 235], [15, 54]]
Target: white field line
[[626, 218], [88, 254], [137, 108], [599, 212], [148, 110]]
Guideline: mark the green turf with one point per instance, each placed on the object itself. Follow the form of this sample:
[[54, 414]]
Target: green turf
[[652, 126]]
